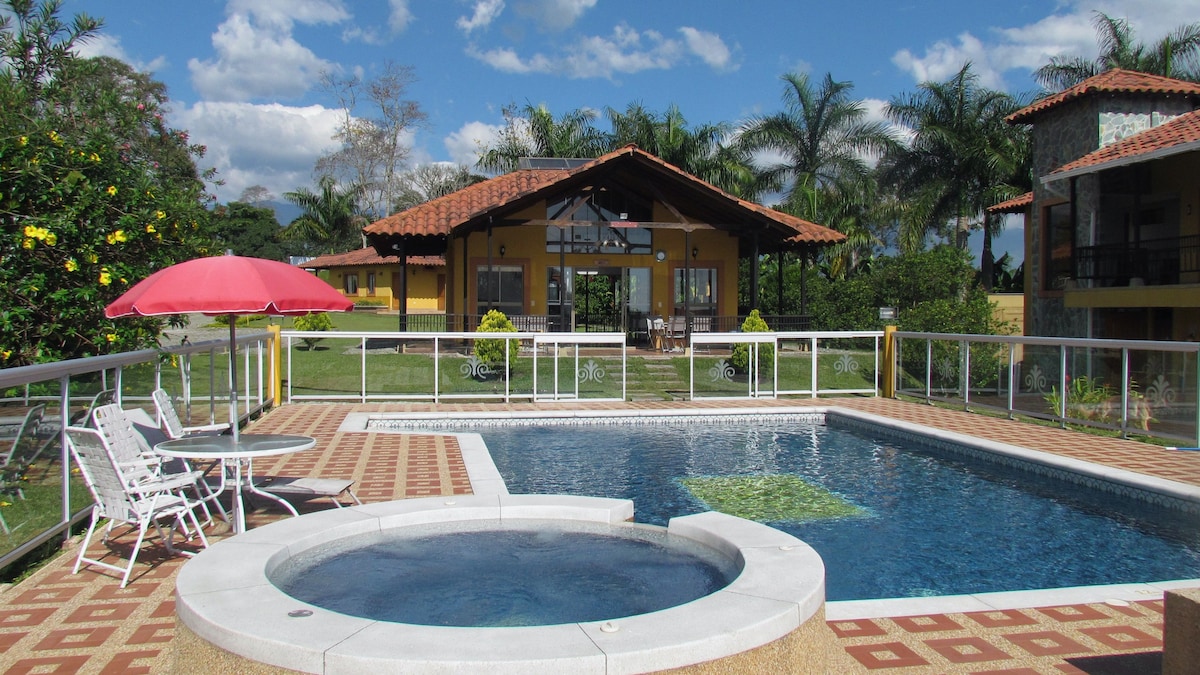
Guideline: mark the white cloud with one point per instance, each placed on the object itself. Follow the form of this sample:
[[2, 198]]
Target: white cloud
[[465, 144], [272, 145], [624, 51], [554, 15], [1069, 32], [400, 16], [708, 46], [485, 13], [104, 44], [256, 55]]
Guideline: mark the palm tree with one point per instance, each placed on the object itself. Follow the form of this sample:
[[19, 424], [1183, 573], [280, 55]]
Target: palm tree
[[1176, 55], [962, 157], [822, 136], [696, 150], [532, 131], [331, 222]]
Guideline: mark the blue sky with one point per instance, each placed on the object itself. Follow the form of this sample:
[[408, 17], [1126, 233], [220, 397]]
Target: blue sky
[[243, 75]]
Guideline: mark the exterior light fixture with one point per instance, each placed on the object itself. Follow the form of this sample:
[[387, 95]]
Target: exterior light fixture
[[501, 250], [695, 252], [660, 255]]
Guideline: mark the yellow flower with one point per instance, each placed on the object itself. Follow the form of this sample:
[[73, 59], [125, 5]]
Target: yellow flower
[[51, 239], [105, 276], [27, 243], [71, 265], [150, 227], [8, 352], [160, 214], [112, 190], [92, 258], [111, 337], [5, 503], [55, 137], [30, 231], [23, 141], [94, 157], [116, 237], [35, 160]]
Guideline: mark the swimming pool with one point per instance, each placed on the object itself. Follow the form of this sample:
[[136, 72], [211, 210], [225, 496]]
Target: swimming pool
[[932, 522]]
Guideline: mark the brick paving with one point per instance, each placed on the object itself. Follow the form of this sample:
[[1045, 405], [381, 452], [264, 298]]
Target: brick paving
[[57, 622]]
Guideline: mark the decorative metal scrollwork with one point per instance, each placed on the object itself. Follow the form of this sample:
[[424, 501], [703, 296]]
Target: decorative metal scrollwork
[[845, 364], [1035, 379], [1160, 391], [722, 370], [590, 371], [475, 368]]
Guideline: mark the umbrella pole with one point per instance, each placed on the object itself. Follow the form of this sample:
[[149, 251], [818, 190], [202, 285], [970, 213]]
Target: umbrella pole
[[233, 411]]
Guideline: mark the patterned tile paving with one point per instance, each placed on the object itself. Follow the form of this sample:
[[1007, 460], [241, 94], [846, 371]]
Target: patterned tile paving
[[57, 622]]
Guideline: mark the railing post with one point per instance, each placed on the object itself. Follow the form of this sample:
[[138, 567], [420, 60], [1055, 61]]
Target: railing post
[[890, 367], [1012, 372], [1062, 380], [1125, 392], [965, 347], [928, 369]]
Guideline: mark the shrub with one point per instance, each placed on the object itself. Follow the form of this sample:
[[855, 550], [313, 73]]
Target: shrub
[[766, 352], [491, 351], [312, 322]]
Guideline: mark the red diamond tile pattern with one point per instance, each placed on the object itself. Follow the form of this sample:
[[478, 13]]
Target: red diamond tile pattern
[[58, 622]]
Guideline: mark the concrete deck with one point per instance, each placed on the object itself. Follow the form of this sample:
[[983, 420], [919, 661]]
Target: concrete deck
[[56, 622]]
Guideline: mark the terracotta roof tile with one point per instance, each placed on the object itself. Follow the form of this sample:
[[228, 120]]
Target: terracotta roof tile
[[440, 216], [1181, 131], [1014, 205], [1109, 82], [367, 256]]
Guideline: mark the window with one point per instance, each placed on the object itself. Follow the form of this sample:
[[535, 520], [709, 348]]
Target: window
[[350, 284], [503, 289], [1058, 242], [370, 283], [701, 288], [598, 239]]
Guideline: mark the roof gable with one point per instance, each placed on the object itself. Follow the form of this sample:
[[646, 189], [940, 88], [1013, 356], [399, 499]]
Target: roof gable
[[1115, 81], [630, 166]]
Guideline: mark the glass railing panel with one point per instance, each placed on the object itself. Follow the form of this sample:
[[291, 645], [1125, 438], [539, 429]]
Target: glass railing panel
[[988, 378], [847, 364]]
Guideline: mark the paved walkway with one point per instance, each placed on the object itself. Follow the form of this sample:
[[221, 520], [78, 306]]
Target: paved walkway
[[56, 622]]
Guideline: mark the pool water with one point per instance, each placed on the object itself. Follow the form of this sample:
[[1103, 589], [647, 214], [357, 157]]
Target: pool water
[[932, 523], [526, 573]]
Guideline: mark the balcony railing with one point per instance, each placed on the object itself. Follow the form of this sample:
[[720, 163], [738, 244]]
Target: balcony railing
[[1153, 262]]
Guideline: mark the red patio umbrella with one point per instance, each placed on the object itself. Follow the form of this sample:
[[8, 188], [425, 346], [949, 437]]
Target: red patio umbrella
[[229, 285]]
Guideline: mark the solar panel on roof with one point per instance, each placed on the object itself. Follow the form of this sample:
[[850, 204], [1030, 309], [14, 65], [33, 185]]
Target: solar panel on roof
[[544, 163]]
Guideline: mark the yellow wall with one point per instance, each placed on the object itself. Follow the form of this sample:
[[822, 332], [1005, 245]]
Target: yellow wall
[[422, 285], [525, 245], [1009, 307]]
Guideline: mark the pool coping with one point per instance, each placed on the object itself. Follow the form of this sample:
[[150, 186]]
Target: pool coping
[[224, 597], [1181, 495]]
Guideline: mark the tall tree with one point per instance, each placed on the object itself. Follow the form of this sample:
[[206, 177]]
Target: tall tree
[[377, 120], [822, 138], [331, 221], [95, 191], [1175, 55], [249, 230], [697, 150], [533, 131], [962, 157], [430, 181]]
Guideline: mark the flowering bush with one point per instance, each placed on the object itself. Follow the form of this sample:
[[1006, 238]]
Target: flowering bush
[[96, 193]]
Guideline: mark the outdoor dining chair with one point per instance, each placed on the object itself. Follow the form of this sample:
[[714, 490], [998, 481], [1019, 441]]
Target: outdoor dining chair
[[136, 454], [168, 418], [27, 445], [129, 495]]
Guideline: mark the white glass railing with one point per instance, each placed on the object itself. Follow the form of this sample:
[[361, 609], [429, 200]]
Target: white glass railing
[[1134, 387]]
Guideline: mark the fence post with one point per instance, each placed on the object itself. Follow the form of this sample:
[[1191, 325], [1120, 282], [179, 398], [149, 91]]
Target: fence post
[[276, 360], [889, 362]]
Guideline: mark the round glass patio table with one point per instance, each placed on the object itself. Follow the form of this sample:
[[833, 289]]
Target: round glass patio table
[[233, 454]]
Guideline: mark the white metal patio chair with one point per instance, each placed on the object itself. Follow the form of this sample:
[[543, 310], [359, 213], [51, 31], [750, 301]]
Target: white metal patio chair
[[130, 497], [135, 453], [169, 422]]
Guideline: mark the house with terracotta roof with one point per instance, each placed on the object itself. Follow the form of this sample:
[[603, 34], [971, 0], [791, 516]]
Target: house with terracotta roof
[[372, 279], [1112, 226], [544, 241]]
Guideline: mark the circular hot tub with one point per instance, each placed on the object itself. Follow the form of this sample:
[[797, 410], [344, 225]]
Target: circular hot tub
[[760, 603]]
